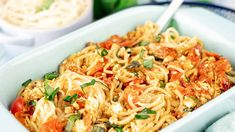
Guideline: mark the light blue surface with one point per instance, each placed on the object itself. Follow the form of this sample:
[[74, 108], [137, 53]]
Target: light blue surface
[[216, 32]]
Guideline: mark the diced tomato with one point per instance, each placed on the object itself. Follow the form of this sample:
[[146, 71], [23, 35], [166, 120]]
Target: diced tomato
[[81, 104], [163, 52], [188, 91], [222, 65], [174, 75], [78, 92], [224, 82], [138, 81], [108, 80], [195, 54], [98, 74], [127, 43], [52, 125], [18, 105], [97, 68], [132, 93], [212, 54], [108, 43], [20, 116]]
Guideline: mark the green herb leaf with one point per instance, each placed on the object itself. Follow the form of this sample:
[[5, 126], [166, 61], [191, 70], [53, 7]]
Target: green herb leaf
[[31, 103], [98, 129], [158, 38], [71, 122], [141, 116], [71, 99], [162, 84], [88, 84], [172, 37], [141, 54], [148, 63], [26, 83], [148, 111], [187, 109], [143, 43], [104, 52], [134, 64], [118, 129], [187, 79], [135, 73], [50, 93], [46, 5], [51, 75], [144, 114]]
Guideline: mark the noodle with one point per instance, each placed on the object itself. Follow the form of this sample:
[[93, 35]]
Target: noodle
[[137, 82]]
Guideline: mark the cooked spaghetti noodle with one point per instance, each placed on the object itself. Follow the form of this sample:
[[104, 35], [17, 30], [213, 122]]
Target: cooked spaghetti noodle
[[140, 82], [42, 14]]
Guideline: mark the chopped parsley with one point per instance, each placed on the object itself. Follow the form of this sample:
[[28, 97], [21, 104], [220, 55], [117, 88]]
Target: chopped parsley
[[143, 43], [135, 73], [148, 63], [51, 75], [50, 93], [141, 55], [92, 82], [71, 121], [71, 99], [144, 114], [162, 84], [26, 83], [158, 38], [104, 52], [134, 64], [31, 103]]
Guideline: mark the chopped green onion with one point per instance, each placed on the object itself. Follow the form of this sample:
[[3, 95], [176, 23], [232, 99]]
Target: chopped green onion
[[143, 43], [148, 111], [118, 129], [187, 109], [134, 64], [71, 99], [71, 121], [50, 93], [88, 84], [141, 54], [51, 75], [141, 116], [158, 38], [162, 84], [115, 98], [46, 5], [26, 83], [98, 129], [104, 52], [187, 79], [135, 73], [172, 37], [148, 63], [31, 103], [144, 114]]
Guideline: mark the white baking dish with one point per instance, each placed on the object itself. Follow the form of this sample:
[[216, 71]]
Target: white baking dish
[[216, 32]]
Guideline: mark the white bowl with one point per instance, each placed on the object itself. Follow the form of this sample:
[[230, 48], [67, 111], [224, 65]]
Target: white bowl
[[21, 39]]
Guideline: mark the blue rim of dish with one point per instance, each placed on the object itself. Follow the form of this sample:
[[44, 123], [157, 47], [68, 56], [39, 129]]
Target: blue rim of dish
[[201, 4]]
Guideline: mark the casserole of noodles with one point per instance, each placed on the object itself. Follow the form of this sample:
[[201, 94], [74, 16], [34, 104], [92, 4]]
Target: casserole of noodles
[[142, 81]]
